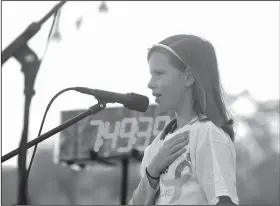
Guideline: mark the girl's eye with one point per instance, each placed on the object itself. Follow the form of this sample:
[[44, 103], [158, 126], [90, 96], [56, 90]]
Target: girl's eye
[[159, 73]]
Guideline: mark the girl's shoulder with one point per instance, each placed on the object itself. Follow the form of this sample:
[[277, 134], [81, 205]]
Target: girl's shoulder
[[206, 132]]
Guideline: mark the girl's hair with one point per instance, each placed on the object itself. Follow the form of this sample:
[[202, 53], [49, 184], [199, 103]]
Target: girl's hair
[[198, 56]]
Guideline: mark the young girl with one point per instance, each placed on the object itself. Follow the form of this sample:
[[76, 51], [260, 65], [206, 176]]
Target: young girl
[[193, 160]]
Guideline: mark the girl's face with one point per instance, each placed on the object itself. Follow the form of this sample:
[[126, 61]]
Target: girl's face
[[167, 83]]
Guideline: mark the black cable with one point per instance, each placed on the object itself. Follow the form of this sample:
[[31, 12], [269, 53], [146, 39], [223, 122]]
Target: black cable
[[41, 127], [34, 151]]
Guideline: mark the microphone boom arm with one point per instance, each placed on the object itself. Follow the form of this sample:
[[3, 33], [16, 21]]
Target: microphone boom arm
[[91, 111]]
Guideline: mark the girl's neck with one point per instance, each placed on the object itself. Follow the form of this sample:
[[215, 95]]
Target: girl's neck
[[185, 113], [184, 117]]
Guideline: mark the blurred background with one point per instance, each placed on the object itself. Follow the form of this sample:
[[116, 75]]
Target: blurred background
[[103, 45]]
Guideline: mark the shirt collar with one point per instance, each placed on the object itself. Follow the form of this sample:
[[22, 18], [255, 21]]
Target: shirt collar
[[173, 123]]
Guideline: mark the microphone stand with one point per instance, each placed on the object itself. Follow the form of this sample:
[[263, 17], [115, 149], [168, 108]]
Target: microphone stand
[[30, 65], [125, 172]]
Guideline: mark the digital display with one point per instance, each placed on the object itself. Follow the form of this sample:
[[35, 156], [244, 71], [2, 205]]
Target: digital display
[[113, 131]]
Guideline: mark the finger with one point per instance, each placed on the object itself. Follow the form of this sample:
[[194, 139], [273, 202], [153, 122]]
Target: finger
[[178, 153], [176, 139], [180, 140], [178, 146]]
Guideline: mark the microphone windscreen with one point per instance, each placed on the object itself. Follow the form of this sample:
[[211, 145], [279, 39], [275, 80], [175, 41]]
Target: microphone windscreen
[[137, 102]]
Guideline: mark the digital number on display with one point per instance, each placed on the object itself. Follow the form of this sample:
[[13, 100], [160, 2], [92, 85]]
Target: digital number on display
[[110, 132], [127, 130]]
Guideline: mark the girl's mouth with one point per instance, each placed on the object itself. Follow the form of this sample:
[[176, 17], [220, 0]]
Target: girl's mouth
[[157, 97]]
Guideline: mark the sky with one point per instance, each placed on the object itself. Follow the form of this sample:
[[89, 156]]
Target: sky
[[109, 53]]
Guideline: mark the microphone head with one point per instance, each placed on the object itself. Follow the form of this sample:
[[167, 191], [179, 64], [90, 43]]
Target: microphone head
[[137, 102]]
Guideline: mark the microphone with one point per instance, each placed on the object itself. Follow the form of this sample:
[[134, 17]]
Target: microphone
[[130, 101]]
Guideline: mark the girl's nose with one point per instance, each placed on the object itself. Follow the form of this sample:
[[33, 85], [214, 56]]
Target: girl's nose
[[151, 84]]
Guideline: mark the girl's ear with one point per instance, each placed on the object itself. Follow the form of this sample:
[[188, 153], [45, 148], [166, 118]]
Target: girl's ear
[[189, 80]]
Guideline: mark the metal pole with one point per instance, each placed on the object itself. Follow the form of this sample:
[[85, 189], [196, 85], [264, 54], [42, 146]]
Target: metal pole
[[125, 163]]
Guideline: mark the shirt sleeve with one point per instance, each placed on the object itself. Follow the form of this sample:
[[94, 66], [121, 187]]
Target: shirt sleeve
[[215, 165], [144, 193]]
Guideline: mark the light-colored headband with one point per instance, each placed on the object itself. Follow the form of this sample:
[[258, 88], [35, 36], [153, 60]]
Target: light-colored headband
[[170, 50]]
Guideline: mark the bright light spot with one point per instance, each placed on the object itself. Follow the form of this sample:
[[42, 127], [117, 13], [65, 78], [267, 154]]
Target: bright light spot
[[75, 167], [244, 107], [244, 136], [243, 130]]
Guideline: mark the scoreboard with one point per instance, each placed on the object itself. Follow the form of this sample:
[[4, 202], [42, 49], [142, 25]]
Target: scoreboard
[[113, 131]]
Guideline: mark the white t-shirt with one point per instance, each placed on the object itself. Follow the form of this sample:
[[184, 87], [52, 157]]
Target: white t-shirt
[[204, 172]]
